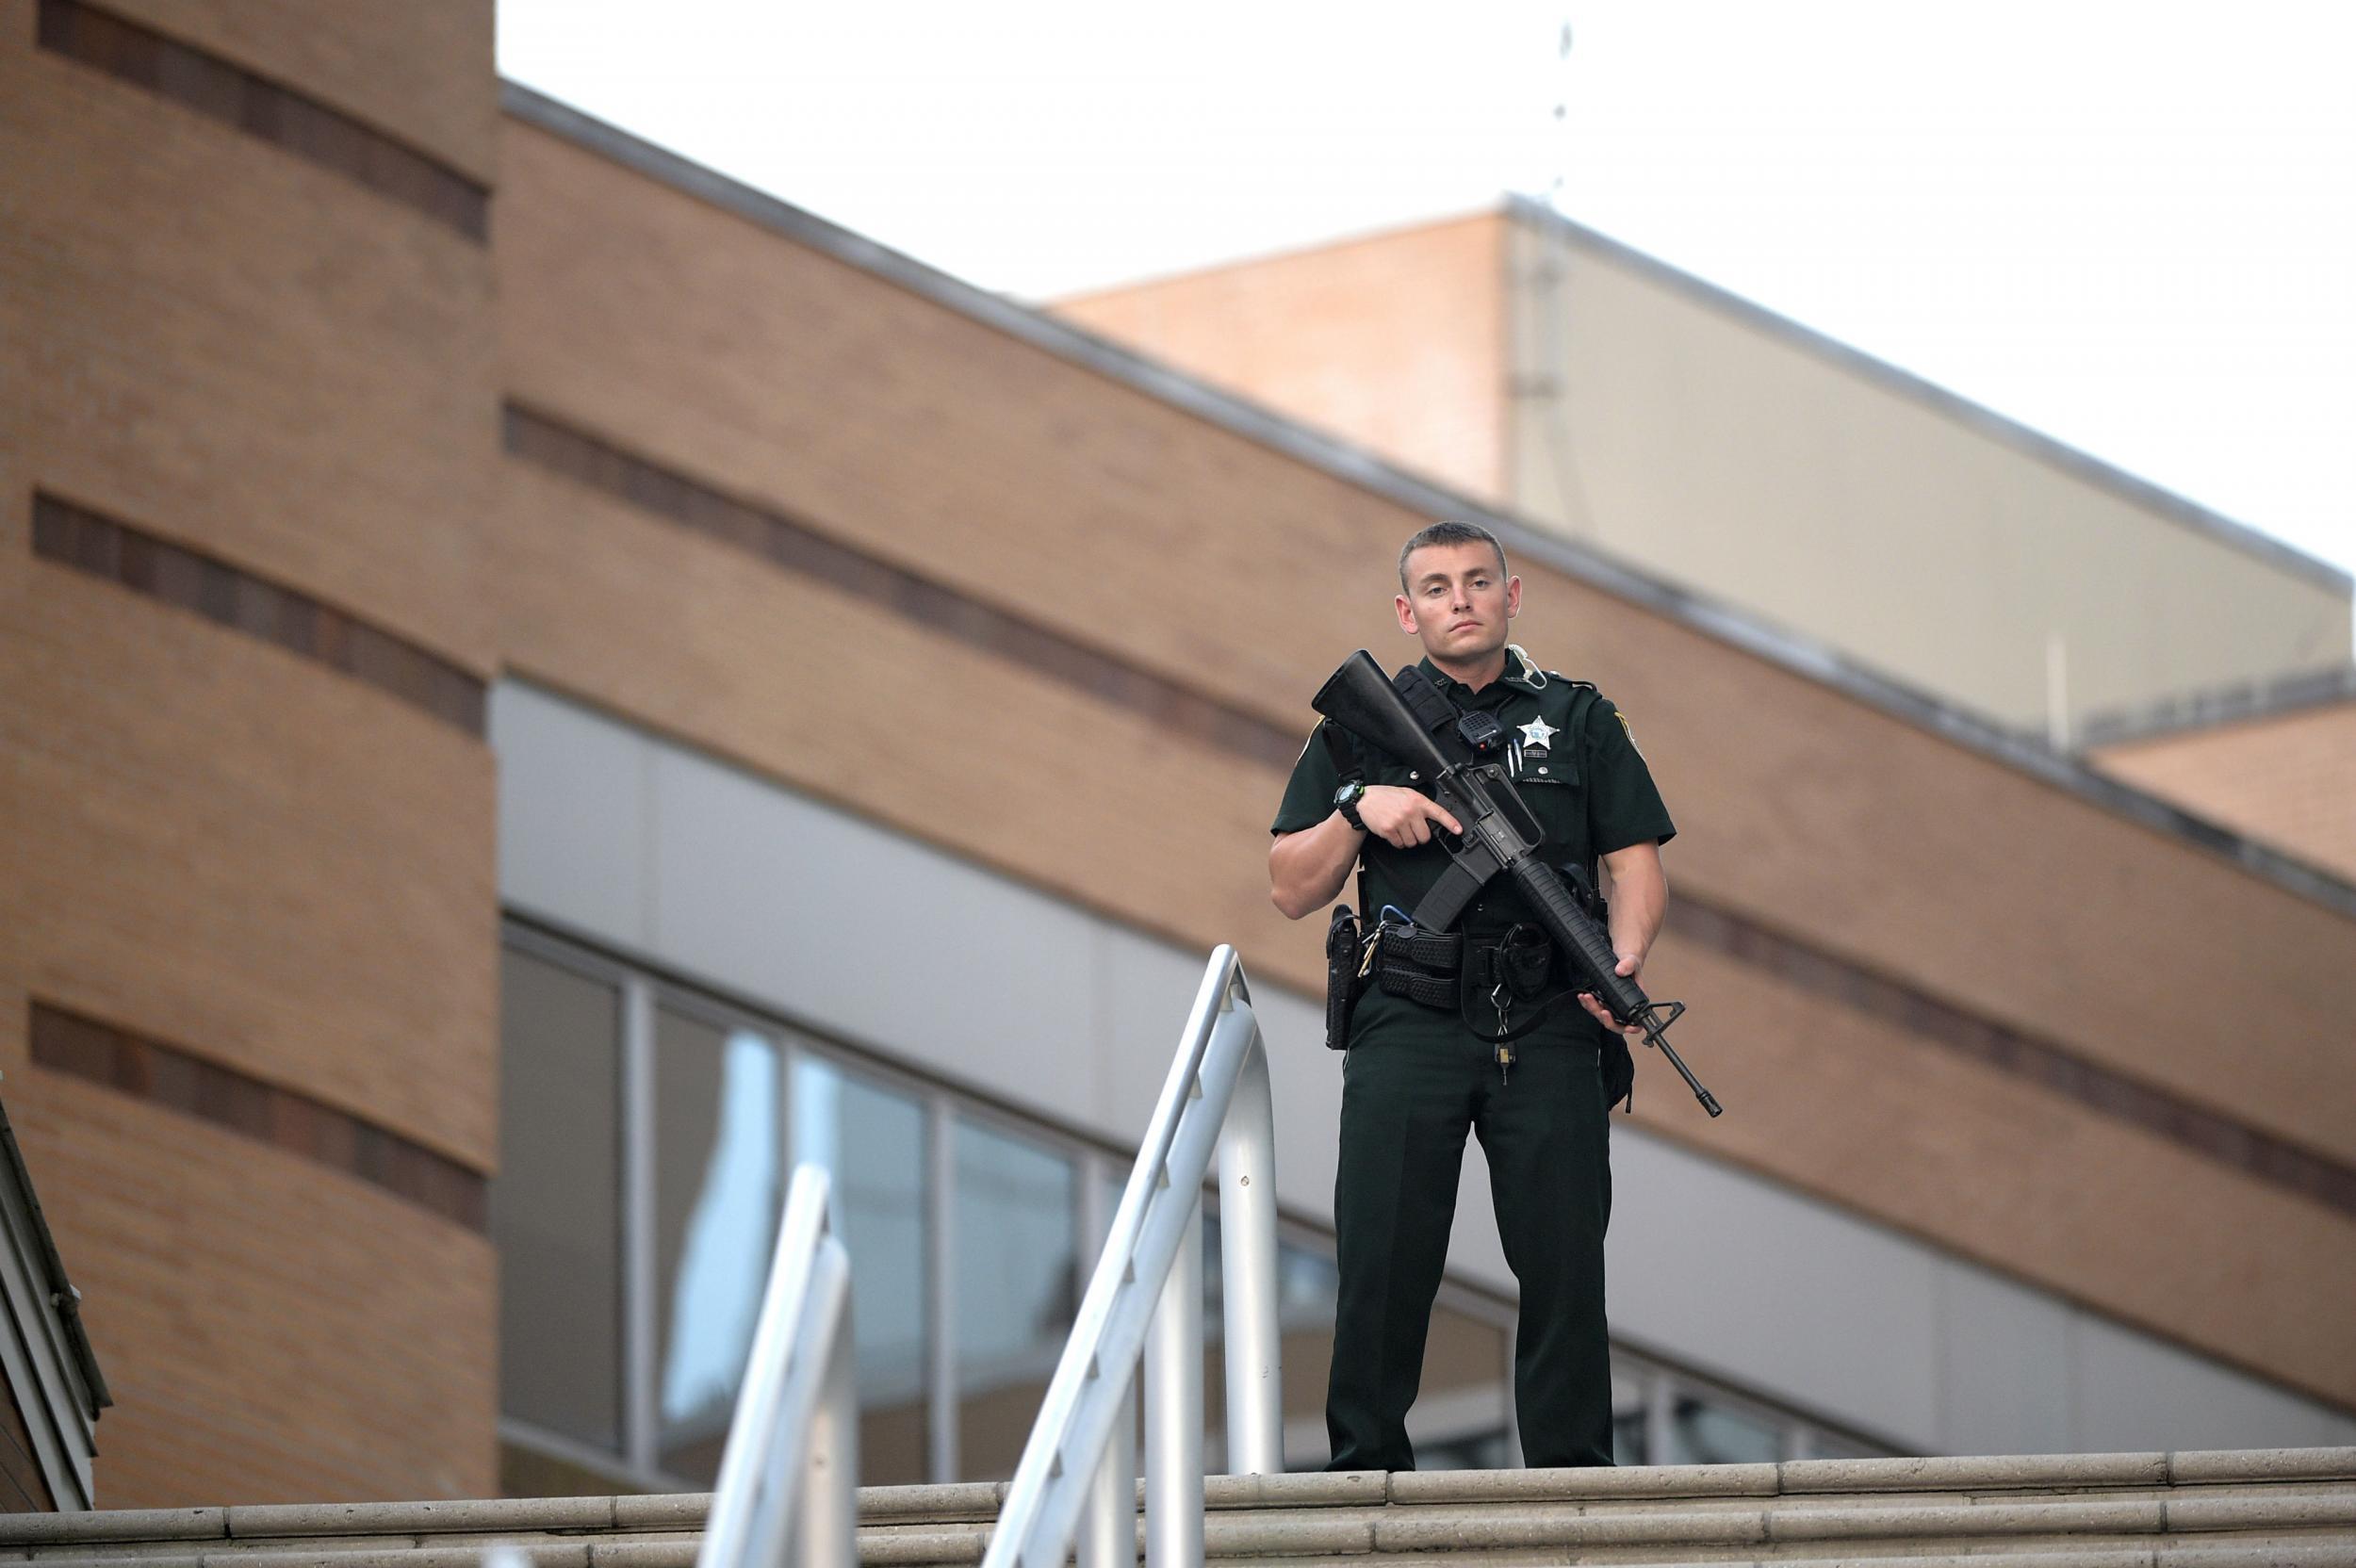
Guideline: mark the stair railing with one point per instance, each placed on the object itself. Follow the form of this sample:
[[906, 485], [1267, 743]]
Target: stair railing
[[1148, 1283], [787, 1491]]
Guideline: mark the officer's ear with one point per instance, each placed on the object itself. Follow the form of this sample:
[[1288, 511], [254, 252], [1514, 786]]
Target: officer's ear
[[1512, 597], [1406, 613]]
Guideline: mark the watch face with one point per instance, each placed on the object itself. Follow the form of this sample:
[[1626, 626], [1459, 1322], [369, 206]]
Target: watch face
[[1349, 793]]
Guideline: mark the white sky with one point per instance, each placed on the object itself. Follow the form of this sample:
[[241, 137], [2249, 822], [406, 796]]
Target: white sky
[[2129, 225]]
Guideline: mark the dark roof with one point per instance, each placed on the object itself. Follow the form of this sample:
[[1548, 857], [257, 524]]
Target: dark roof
[[1354, 464], [2240, 704]]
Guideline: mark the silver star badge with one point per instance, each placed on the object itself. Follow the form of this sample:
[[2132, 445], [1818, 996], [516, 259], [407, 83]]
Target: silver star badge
[[1539, 733]]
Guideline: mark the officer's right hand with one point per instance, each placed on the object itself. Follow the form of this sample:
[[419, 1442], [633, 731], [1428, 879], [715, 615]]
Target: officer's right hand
[[1401, 818]]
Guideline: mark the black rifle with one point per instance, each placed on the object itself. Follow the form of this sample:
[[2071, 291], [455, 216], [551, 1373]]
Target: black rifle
[[1414, 721]]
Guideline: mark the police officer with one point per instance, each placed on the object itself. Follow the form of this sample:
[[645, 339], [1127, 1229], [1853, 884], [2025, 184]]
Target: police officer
[[1419, 1073]]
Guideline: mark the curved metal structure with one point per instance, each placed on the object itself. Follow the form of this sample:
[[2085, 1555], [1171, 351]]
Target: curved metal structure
[[1148, 1283], [789, 1478]]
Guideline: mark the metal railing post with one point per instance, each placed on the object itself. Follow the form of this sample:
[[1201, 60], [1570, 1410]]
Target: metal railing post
[[1144, 1302], [789, 1476], [1173, 1410], [1247, 1235], [827, 1533], [1108, 1523]]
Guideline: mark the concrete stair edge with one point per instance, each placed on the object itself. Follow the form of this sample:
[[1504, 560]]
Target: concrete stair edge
[[979, 1500]]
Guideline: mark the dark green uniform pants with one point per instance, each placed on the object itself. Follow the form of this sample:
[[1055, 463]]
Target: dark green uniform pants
[[1412, 1087]]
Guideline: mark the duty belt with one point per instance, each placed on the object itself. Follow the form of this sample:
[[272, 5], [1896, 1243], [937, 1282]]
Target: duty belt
[[1504, 972]]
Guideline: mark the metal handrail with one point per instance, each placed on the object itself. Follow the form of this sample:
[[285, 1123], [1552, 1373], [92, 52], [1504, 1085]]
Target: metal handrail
[[788, 1490], [1148, 1277]]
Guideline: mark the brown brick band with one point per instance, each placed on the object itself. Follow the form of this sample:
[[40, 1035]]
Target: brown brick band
[[286, 119], [75, 536], [593, 461], [787, 542], [166, 1075], [2049, 1066]]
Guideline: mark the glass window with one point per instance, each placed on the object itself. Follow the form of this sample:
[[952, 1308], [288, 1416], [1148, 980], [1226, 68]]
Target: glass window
[[1307, 1284], [556, 1205], [1701, 1431], [719, 1170], [1461, 1399], [872, 1140], [1016, 1289], [1632, 1418]]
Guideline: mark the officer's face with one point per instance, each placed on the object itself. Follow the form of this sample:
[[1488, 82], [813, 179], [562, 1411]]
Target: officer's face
[[1458, 602]]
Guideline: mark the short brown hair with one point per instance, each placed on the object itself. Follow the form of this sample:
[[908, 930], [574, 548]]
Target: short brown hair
[[1449, 531]]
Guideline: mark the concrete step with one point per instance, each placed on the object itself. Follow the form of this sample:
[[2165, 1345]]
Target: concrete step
[[2217, 1510]]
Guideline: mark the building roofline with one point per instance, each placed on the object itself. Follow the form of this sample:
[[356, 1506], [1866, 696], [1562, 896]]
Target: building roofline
[[1984, 420], [1347, 240], [2243, 704], [92, 1395], [1355, 466]]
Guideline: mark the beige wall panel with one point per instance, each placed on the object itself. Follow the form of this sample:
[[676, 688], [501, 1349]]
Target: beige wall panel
[[291, 372], [1326, 337], [1729, 458], [226, 1287], [2288, 780], [929, 439], [249, 855], [420, 70], [1908, 1133]]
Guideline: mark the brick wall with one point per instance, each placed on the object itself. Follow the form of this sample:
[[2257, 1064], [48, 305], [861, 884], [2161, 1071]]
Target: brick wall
[[232, 328], [1395, 342], [2288, 780]]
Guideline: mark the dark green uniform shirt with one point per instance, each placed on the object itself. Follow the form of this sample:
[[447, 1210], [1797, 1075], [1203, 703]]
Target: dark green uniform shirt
[[1592, 794]]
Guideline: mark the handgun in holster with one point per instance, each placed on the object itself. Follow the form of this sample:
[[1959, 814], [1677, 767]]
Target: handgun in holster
[[1344, 976]]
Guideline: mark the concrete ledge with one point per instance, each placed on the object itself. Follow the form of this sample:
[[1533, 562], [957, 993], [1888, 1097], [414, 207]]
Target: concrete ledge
[[1968, 1520], [2296, 1512], [2202, 1466], [140, 1553], [1314, 1488], [129, 1524], [2278, 1554], [1635, 1480], [1567, 1525], [644, 1553], [1296, 1537], [672, 1511], [540, 1554], [269, 1520], [961, 1502], [1972, 1474], [906, 1547]]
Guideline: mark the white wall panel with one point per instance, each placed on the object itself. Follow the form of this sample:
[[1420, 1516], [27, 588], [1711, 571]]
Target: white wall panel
[[873, 936], [2133, 1391], [1771, 1289], [573, 798], [2003, 1366]]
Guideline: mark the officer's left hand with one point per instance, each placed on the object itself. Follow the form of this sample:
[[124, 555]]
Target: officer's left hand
[[1629, 963]]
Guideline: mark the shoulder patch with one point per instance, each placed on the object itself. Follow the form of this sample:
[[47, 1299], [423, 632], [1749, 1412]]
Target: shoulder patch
[[1627, 729]]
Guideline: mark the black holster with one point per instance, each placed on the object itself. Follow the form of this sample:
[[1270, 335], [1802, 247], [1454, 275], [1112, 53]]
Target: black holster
[[1343, 977]]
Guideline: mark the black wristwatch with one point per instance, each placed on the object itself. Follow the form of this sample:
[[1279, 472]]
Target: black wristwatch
[[1345, 801]]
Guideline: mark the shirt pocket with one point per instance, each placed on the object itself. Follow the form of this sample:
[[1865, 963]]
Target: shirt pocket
[[1558, 799]]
